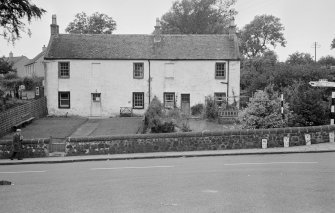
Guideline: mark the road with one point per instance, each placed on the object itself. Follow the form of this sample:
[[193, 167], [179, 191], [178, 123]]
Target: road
[[255, 183]]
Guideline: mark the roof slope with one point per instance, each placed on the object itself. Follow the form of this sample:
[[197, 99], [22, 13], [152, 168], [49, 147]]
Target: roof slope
[[15, 59], [41, 54], [171, 47]]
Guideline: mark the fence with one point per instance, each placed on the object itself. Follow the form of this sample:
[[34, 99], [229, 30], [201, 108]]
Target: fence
[[9, 118]]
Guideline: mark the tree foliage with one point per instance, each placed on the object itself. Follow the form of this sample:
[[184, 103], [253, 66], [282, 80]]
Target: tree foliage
[[263, 111], [300, 59], [97, 23], [6, 66], [260, 34], [198, 17], [12, 14], [327, 61], [332, 46]]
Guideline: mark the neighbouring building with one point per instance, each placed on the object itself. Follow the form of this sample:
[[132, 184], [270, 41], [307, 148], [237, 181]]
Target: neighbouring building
[[35, 67], [18, 63], [95, 75]]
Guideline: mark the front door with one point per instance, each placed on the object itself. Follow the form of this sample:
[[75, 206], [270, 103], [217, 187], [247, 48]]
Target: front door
[[185, 103], [96, 104]]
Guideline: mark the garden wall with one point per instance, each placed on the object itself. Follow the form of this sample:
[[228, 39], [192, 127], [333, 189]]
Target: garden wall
[[191, 141], [34, 108], [31, 148]]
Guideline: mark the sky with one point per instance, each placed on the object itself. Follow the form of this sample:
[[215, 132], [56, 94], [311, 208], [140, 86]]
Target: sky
[[305, 21]]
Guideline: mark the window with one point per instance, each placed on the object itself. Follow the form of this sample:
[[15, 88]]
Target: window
[[138, 70], [64, 69], [138, 100], [96, 97], [169, 100], [220, 99], [64, 100], [220, 70]]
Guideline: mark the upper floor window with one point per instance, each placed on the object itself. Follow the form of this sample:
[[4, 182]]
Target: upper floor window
[[138, 70], [64, 69], [220, 70]]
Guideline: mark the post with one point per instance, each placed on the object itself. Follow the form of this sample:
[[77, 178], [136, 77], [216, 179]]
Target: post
[[332, 109], [282, 105]]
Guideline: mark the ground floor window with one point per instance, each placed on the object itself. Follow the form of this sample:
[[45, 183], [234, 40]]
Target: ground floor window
[[64, 100], [220, 99], [169, 100], [96, 97], [138, 100]]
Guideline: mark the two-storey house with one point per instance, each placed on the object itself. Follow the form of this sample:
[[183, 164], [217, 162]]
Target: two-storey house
[[95, 75]]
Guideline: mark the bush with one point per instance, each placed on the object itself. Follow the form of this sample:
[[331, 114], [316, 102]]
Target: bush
[[197, 109], [211, 109], [28, 83], [264, 111]]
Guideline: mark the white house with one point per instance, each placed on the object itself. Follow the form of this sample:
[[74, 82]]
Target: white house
[[95, 75]]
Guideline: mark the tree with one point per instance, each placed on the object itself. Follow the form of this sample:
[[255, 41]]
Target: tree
[[97, 23], [6, 66], [332, 46], [299, 59], [327, 61], [198, 17], [12, 14], [261, 33]]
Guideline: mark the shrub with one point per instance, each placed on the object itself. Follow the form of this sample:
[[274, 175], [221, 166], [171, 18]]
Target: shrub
[[28, 83], [197, 109], [264, 111], [211, 109]]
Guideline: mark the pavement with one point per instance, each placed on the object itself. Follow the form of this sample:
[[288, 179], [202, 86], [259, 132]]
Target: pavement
[[314, 148]]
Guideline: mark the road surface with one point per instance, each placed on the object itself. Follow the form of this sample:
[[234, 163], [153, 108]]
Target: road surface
[[256, 183]]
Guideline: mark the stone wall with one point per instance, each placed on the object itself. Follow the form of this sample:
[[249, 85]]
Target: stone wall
[[31, 148], [34, 108], [230, 139]]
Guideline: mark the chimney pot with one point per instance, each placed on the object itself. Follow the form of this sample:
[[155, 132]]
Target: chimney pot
[[44, 48], [11, 54]]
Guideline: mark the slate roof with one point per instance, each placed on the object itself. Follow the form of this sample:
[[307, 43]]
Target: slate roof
[[41, 54], [142, 47], [15, 59]]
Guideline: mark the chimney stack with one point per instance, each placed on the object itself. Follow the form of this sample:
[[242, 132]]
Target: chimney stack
[[11, 54], [232, 29], [44, 48], [157, 32], [54, 27]]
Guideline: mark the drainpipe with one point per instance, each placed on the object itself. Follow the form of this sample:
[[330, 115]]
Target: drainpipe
[[149, 83], [228, 80]]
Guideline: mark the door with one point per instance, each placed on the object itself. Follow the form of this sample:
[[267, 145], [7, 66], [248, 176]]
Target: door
[[185, 103], [96, 104]]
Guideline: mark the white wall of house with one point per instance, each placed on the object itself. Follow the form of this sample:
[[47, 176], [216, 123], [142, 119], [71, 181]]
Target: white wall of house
[[35, 69], [196, 78], [114, 80]]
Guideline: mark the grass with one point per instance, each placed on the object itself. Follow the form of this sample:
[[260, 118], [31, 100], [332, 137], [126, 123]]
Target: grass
[[56, 127]]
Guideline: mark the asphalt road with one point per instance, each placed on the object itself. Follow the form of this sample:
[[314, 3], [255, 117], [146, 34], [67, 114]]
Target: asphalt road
[[257, 183]]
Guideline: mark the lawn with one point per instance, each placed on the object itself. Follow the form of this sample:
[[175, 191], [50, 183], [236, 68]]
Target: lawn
[[56, 127]]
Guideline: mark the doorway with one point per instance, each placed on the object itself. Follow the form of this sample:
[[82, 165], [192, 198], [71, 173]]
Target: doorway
[[185, 103], [96, 104]]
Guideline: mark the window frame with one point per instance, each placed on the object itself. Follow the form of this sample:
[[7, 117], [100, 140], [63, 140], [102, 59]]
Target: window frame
[[60, 106], [134, 101], [94, 97], [174, 100], [223, 71], [140, 71], [60, 69]]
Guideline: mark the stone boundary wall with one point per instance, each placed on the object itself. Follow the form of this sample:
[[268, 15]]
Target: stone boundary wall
[[35, 108], [192, 141], [31, 148]]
